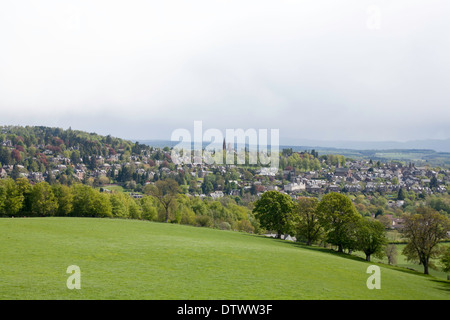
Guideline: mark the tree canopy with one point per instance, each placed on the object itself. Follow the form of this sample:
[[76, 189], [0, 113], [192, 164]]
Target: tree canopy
[[338, 214], [274, 211], [424, 230]]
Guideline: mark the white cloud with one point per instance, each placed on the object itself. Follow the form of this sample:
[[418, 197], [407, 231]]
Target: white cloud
[[309, 68]]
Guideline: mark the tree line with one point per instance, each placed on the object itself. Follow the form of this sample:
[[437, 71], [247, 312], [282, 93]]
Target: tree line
[[162, 203], [335, 220]]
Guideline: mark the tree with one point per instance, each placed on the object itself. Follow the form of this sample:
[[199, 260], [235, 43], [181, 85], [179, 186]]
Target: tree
[[401, 194], [148, 208], [100, 205], [134, 209], [118, 204], [63, 195], [371, 237], [23, 187], [165, 191], [424, 230], [88, 202], [11, 199], [394, 181], [43, 201], [445, 259], [308, 226], [274, 211], [434, 182], [337, 215], [391, 253], [81, 200]]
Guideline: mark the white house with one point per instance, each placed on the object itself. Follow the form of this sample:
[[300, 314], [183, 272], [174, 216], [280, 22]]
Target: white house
[[292, 187]]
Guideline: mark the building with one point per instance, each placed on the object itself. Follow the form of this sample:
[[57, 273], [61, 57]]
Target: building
[[294, 187], [343, 172]]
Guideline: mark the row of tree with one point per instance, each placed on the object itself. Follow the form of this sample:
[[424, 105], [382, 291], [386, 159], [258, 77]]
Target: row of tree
[[335, 220], [162, 202]]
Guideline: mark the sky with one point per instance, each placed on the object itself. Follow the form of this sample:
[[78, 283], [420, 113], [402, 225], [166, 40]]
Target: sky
[[313, 69]]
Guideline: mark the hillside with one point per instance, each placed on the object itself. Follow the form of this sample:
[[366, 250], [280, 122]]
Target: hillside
[[130, 259]]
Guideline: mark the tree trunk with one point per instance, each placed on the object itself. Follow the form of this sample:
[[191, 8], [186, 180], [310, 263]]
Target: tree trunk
[[167, 215], [368, 257], [425, 265]]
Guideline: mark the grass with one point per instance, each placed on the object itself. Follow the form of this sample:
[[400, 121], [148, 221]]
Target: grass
[[404, 263], [130, 259]]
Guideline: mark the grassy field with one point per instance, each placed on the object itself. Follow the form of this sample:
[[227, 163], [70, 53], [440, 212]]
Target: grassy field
[[130, 259], [404, 263]]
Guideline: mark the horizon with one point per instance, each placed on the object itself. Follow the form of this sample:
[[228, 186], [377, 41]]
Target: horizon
[[440, 145]]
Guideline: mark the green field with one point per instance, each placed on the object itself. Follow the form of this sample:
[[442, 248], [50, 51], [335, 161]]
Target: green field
[[131, 259]]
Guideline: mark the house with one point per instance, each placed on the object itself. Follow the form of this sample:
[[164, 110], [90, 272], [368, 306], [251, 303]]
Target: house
[[314, 188], [136, 195], [352, 187], [3, 173], [216, 194], [342, 172], [397, 223], [293, 187], [235, 192], [7, 143], [370, 187], [37, 176], [334, 188]]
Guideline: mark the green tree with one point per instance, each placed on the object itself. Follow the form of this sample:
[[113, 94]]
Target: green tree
[[88, 202], [81, 200], [100, 205], [371, 237], [148, 206], [434, 182], [118, 205], [445, 259], [401, 194], [11, 199], [23, 187], [134, 209], [165, 191], [308, 225], [424, 230], [337, 215], [64, 197], [274, 211], [43, 201]]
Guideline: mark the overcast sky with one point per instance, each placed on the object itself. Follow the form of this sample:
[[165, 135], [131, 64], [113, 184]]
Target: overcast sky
[[314, 69]]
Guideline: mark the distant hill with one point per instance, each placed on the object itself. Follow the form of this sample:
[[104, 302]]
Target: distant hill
[[433, 152], [436, 145]]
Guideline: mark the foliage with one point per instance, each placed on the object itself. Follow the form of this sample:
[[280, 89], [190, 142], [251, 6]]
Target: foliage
[[274, 211], [338, 216], [424, 230], [165, 191], [445, 259], [308, 226], [371, 237]]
